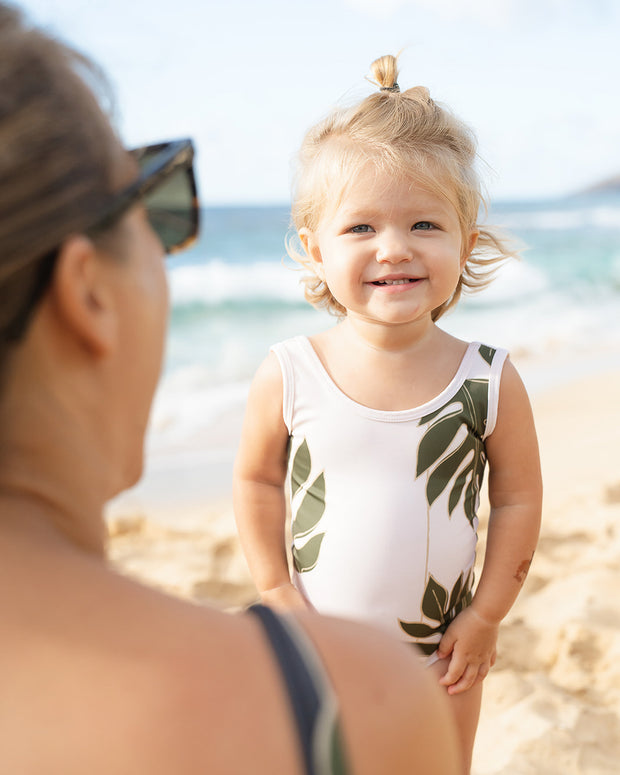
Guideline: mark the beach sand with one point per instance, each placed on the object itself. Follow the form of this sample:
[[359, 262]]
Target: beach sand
[[551, 705]]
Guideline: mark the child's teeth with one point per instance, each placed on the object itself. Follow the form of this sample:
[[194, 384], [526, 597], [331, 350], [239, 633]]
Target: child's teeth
[[395, 282]]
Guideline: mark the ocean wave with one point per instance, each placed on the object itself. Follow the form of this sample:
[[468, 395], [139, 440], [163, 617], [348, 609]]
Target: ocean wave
[[514, 282], [187, 401], [561, 218], [217, 286], [217, 282]]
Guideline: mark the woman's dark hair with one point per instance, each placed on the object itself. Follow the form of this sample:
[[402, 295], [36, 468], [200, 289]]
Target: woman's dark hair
[[60, 159]]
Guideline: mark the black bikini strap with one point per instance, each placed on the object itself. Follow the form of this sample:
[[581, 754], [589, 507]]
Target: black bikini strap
[[300, 684]]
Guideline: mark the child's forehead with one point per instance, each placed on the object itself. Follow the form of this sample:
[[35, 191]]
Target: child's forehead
[[375, 189]]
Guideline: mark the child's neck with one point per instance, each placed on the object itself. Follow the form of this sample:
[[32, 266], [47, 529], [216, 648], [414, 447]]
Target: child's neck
[[389, 368], [389, 339]]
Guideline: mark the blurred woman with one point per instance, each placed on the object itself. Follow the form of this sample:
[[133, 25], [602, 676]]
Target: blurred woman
[[99, 673]]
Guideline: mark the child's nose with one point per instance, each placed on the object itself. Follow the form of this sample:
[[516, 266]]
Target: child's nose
[[394, 247]]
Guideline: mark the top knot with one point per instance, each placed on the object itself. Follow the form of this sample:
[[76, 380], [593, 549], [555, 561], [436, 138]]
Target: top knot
[[385, 73]]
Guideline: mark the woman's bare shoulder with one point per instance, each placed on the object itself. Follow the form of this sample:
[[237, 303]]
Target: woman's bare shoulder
[[155, 684], [218, 673], [394, 715]]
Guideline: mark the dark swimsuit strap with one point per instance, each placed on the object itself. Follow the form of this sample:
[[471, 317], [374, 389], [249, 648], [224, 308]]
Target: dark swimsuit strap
[[311, 696]]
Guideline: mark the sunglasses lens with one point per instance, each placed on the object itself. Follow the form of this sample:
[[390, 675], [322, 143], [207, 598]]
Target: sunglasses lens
[[172, 207], [172, 212]]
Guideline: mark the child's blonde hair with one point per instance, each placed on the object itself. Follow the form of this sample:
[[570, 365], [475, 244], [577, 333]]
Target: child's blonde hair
[[405, 134]]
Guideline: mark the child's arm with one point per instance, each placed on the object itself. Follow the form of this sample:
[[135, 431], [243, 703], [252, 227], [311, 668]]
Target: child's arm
[[258, 488], [515, 494]]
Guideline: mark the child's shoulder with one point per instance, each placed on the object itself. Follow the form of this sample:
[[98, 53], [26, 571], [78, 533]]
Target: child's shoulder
[[476, 355], [489, 353]]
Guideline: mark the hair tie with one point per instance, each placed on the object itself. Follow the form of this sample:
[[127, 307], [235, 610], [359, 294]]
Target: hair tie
[[394, 88]]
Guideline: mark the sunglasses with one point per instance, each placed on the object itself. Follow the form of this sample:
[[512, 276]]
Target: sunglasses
[[166, 185], [167, 188]]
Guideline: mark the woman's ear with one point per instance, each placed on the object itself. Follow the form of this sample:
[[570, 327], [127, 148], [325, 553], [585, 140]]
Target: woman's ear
[[310, 244], [82, 295]]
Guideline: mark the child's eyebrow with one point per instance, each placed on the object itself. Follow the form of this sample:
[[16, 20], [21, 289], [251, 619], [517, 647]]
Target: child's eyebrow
[[419, 212], [361, 213]]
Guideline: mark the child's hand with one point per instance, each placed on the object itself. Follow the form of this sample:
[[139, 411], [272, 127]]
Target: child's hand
[[284, 597], [471, 642]]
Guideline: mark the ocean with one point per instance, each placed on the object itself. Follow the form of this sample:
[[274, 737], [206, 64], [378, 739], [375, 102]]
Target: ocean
[[235, 293]]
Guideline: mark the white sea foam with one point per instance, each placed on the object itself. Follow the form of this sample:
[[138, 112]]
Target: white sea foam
[[188, 401], [515, 281], [562, 218], [216, 282]]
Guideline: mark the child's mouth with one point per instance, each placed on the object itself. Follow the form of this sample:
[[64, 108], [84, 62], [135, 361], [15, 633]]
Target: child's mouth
[[404, 281]]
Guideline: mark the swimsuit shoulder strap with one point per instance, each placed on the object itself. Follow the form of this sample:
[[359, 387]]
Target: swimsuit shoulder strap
[[310, 693]]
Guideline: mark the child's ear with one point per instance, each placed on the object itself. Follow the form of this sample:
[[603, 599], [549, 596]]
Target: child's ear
[[82, 296], [468, 247], [310, 244]]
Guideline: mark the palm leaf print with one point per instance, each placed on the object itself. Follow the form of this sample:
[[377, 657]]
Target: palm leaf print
[[311, 508], [300, 469], [306, 557], [464, 464], [309, 511], [441, 607], [487, 353]]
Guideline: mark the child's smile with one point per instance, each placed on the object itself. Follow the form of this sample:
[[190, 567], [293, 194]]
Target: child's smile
[[392, 283], [391, 252]]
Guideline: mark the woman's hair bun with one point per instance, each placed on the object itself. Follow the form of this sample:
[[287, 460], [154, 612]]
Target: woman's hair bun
[[385, 73]]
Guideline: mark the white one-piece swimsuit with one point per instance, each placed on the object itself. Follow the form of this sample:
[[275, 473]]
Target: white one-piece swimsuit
[[384, 504]]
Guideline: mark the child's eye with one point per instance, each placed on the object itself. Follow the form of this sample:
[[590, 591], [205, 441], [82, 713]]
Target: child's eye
[[423, 226], [362, 228]]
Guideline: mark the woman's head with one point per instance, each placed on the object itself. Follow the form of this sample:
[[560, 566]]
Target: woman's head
[[404, 134], [60, 160], [82, 286]]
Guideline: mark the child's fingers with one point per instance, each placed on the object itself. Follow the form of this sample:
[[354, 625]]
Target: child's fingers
[[483, 672], [446, 645], [466, 681], [455, 670]]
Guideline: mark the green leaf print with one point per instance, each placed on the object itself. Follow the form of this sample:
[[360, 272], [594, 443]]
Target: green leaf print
[[300, 470], [418, 629], [447, 468], [309, 512], [311, 508], [306, 557], [487, 353], [441, 607], [434, 600], [467, 408], [456, 592]]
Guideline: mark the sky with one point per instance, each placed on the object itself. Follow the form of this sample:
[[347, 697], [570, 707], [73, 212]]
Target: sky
[[537, 80]]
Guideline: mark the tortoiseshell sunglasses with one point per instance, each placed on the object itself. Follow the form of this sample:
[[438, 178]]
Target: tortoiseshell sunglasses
[[167, 187]]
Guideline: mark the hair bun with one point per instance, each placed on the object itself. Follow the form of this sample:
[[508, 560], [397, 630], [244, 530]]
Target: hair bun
[[385, 73]]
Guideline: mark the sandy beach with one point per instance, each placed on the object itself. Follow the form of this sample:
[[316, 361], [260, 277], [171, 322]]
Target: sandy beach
[[552, 703]]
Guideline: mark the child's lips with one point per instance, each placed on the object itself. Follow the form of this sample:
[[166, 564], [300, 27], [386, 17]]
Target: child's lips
[[386, 282]]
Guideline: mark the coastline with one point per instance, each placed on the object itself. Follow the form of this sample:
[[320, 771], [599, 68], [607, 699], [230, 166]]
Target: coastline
[[552, 702]]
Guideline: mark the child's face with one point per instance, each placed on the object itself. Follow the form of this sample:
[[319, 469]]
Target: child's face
[[390, 252]]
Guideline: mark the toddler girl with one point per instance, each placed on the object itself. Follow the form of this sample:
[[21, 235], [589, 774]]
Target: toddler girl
[[383, 424]]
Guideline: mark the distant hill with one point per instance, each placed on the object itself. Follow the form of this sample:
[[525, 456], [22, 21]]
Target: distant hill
[[609, 186]]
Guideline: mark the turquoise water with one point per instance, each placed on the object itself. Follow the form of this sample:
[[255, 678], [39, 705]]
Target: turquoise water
[[235, 293]]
